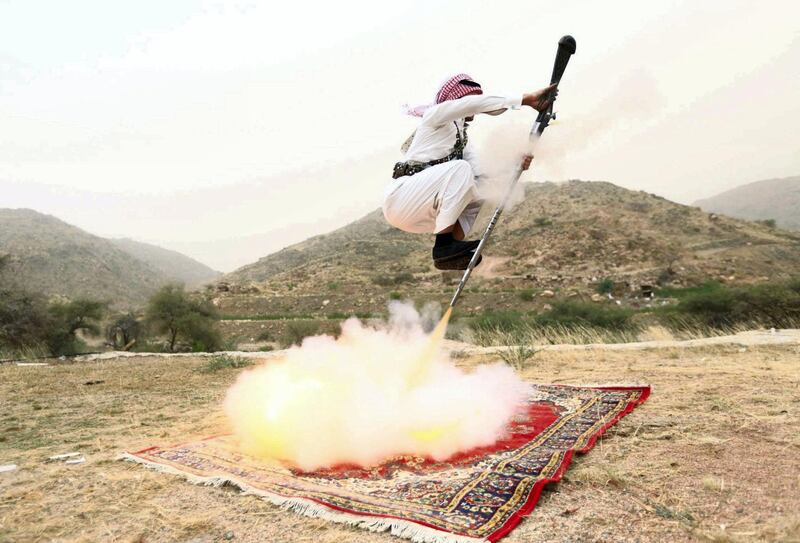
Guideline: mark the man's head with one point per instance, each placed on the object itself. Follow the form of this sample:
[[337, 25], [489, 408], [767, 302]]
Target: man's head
[[456, 87]]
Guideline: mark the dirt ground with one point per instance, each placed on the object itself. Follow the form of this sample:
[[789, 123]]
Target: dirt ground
[[713, 455]]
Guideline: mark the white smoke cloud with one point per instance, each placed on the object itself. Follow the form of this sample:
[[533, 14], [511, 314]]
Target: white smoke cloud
[[356, 400], [634, 99]]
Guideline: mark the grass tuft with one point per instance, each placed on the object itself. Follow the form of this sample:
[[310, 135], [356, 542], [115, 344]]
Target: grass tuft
[[516, 356], [715, 484], [223, 362]]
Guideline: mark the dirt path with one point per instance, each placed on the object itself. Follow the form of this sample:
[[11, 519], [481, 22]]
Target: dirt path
[[713, 455]]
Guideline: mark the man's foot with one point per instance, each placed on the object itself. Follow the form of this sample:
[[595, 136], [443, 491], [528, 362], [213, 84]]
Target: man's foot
[[457, 263], [454, 255], [454, 249]]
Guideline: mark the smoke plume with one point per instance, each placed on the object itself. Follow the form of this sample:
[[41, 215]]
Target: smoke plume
[[633, 100], [355, 399]]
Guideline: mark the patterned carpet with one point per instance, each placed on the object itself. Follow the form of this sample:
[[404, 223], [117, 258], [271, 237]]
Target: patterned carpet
[[479, 495]]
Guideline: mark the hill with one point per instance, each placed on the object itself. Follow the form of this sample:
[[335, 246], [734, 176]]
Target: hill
[[564, 237], [54, 258], [776, 199], [171, 264]]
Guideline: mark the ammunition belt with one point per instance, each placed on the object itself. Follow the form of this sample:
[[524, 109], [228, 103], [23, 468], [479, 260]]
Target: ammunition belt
[[405, 168]]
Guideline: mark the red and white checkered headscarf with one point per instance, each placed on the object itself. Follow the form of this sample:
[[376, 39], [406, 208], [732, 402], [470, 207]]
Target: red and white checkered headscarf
[[452, 89]]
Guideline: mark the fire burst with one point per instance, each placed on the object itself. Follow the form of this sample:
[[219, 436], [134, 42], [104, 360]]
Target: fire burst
[[369, 395]]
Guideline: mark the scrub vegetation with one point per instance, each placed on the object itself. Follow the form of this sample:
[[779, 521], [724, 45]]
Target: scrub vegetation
[[711, 309], [223, 362], [174, 320]]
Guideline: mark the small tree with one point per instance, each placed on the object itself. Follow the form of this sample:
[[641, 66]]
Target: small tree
[[297, 331], [71, 317], [24, 320], [123, 330], [174, 312]]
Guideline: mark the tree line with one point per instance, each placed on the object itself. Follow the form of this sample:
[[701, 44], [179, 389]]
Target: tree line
[[172, 320]]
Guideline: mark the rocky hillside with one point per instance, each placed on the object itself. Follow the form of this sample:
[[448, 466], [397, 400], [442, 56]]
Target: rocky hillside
[[368, 244], [563, 237], [170, 264], [776, 199], [49, 256]]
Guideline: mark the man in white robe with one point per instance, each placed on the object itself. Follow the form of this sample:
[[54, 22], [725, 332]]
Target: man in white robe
[[434, 189]]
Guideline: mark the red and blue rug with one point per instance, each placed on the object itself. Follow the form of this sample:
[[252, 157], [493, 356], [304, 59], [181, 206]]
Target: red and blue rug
[[479, 495]]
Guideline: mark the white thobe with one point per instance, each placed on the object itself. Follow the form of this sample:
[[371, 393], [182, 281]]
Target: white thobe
[[435, 198]]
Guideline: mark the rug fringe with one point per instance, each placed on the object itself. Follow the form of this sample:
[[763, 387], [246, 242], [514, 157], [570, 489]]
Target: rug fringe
[[397, 527]]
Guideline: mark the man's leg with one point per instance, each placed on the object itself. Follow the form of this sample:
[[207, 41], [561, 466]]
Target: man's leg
[[458, 205], [438, 199], [456, 230]]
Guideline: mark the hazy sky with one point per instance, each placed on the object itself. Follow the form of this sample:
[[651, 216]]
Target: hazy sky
[[230, 129]]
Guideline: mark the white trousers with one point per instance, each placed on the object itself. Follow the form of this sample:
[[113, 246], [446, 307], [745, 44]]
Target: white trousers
[[434, 199]]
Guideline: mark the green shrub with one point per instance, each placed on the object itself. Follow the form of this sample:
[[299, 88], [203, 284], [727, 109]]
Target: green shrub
[[502, 321], [526, 294], [769, 304], [68, 318], [264, 335], [677, 292], [390, 280], [542, 221], [25, 322], [606, 286], [224, 361], [268, 317], [201, 334], [333, 286], [296, 331], [576, 313], [395, 295], [505, 327], [769, 223]]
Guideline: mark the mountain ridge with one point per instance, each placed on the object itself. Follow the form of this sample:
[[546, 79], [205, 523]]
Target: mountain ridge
[[775, 199], [172, 264], [49, 256]]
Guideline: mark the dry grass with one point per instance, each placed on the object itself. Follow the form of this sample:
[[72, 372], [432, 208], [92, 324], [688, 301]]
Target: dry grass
[[526, 334], [713, 455], [517, 356]]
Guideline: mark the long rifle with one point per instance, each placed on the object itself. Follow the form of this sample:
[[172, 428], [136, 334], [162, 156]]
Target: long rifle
[[566, 48]]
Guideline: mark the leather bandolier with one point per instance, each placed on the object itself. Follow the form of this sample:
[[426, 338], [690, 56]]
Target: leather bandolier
[[410, 168]]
